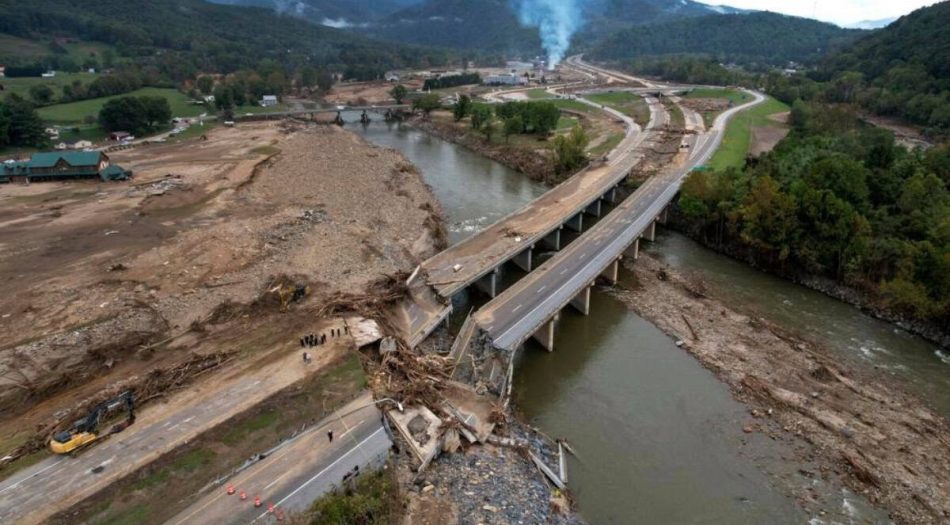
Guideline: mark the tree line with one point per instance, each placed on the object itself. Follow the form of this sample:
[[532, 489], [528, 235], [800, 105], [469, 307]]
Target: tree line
[[840, 200], [452, 81]]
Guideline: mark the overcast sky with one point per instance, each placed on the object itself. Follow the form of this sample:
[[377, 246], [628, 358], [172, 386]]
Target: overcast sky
[[841, 12]]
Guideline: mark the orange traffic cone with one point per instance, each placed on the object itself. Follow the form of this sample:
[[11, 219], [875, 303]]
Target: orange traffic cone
[[280, 515], [257, 501], [270, 508], [230, 490], [243, 495]]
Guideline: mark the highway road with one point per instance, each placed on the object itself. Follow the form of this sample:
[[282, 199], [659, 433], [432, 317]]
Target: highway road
[[483, 252], [37, 492], [299, 472], [513, 316]]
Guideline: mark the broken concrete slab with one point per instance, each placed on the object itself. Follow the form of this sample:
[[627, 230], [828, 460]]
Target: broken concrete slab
[[422, 431]]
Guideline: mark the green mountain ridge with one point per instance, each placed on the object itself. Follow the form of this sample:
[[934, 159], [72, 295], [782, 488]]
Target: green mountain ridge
[[759, 37], [179, 38]]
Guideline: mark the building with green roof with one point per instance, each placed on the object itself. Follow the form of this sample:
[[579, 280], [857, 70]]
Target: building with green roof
[[63, 165]]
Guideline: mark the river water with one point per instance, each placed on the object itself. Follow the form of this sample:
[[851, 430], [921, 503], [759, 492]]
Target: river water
[[659, 437]]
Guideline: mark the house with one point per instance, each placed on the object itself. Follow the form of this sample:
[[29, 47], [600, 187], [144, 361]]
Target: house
[[79, 144], [392, 77], [49, 74], [209, 99], [52, 133], [69, 165], [506, 79], [268, 101], [3, 71], [120, 136]]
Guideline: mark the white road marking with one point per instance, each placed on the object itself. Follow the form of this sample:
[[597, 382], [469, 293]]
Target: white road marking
[[318, 474], [31, 476]]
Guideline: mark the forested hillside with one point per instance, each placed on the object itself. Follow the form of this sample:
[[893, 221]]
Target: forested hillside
[[840, 200], [343, 13], [902, 71], [484, 25], [766, 38], [178, 38]]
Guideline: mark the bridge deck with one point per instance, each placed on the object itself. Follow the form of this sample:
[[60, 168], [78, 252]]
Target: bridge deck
[[513, 316], [485, 251]]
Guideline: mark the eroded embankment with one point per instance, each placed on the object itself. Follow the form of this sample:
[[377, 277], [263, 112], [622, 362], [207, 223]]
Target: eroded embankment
[[536, 164], [189, 262], [884, 443]]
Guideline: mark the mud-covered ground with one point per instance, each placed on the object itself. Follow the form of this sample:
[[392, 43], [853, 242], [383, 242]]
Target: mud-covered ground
[[106, 282], [883, 443]]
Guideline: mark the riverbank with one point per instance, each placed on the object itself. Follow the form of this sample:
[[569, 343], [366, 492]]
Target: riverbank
[[881, 442], [537, 165], [865, 300]]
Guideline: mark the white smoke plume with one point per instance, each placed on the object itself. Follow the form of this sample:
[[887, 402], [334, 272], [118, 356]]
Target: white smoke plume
[[556, 20]]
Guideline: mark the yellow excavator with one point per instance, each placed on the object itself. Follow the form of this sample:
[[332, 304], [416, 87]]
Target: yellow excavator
[[86, 430]]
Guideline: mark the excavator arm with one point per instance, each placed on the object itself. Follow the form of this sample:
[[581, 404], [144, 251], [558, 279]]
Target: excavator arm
[[86, 430]]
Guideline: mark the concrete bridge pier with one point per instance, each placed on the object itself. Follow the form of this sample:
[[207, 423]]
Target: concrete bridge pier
[[488, 284], [662, 218], [523, 259], [634, 249], [576, 222], [593, 208], [651, 232], [545, 334], [581, 302], [611, 196], [552, 240], [612, 272]]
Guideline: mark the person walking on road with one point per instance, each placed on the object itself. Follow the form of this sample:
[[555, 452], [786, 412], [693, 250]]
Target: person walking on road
[[330, 435]]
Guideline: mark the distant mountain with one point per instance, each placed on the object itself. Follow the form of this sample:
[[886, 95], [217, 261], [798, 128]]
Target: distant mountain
[[872, 24], [179, 38], [486, 25], [494, 24], [759, 37]]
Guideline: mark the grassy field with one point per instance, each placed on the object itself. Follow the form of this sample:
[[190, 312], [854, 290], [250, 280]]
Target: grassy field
[[12, 46], [538, 94], [738, 137], [734, 96], [256, 109], [628, 103], [21, 85], [604, 147], [677, 119], [574, 105], [92, 133], [566, 123], [74, 112]]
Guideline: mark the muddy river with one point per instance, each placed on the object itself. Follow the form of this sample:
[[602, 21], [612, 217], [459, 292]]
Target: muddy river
[[658, 437]]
